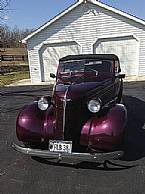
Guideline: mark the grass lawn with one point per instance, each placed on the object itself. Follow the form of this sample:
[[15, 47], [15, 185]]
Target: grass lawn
[[13, 77]]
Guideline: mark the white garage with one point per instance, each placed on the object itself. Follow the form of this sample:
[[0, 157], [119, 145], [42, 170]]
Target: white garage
[[87, 26]]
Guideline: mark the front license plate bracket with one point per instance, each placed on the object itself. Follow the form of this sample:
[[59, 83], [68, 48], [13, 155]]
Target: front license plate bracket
[[60, 146]]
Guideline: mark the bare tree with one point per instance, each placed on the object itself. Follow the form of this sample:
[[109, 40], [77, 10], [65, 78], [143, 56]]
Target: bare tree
[[11, 37], [3, 7]]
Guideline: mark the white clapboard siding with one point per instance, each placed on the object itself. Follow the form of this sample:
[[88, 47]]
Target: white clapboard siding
[[85, 25]]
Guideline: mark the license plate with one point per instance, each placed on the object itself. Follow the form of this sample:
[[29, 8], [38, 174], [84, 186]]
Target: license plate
[[60, 146]]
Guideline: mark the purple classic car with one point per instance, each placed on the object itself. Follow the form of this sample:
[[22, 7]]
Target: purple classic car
[[83, 119]]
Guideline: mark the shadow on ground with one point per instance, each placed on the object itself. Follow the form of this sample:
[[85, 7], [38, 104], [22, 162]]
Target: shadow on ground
[[134, 141], [106, 165]]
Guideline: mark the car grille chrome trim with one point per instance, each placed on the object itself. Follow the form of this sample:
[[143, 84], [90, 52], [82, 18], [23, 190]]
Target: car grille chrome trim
[[64, 106]]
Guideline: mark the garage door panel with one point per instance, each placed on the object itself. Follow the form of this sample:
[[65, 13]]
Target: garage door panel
[[125, 49], [52, 53]]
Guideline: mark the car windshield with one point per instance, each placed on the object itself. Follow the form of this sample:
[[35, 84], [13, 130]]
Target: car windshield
[[97, 66]]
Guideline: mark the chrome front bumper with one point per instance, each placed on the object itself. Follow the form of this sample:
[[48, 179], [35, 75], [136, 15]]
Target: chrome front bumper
[[74, 155]]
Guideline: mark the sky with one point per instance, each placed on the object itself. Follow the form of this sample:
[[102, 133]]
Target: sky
[[33, 13]]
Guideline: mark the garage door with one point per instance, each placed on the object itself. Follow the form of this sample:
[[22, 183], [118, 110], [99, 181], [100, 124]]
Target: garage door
[[126, 48], [51, 54]]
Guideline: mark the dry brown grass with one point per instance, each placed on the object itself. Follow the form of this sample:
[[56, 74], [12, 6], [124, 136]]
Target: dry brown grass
[[13, 77]]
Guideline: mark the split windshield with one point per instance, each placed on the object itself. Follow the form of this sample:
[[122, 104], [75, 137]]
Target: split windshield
[[86, 66]]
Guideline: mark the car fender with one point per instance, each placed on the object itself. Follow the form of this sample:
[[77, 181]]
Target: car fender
[[106, 131], [33, 124]]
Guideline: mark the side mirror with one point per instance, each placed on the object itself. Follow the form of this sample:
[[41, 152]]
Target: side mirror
[[119, 70], [52, 75], [120, 76]]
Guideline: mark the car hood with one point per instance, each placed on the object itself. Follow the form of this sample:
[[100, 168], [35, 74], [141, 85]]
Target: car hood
[[78, 90]]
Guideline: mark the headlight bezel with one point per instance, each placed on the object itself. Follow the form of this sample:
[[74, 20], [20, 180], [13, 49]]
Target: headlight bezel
[[97, 105], [43, 103]]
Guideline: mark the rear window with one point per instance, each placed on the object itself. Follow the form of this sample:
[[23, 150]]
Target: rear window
[[100, 66]]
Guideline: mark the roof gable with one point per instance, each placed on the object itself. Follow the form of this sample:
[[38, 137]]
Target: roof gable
[[95, 2]]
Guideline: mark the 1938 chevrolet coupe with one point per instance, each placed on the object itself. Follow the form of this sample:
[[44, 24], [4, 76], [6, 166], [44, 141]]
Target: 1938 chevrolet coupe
[[83, 119]]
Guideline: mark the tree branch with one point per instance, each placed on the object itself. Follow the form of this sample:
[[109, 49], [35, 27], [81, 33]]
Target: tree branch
[[3, 5]]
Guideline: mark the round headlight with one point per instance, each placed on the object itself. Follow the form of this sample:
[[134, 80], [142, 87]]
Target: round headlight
[[43, 103], [94, 106]]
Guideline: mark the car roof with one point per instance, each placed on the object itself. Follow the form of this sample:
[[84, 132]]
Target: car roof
[[90, 56]]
